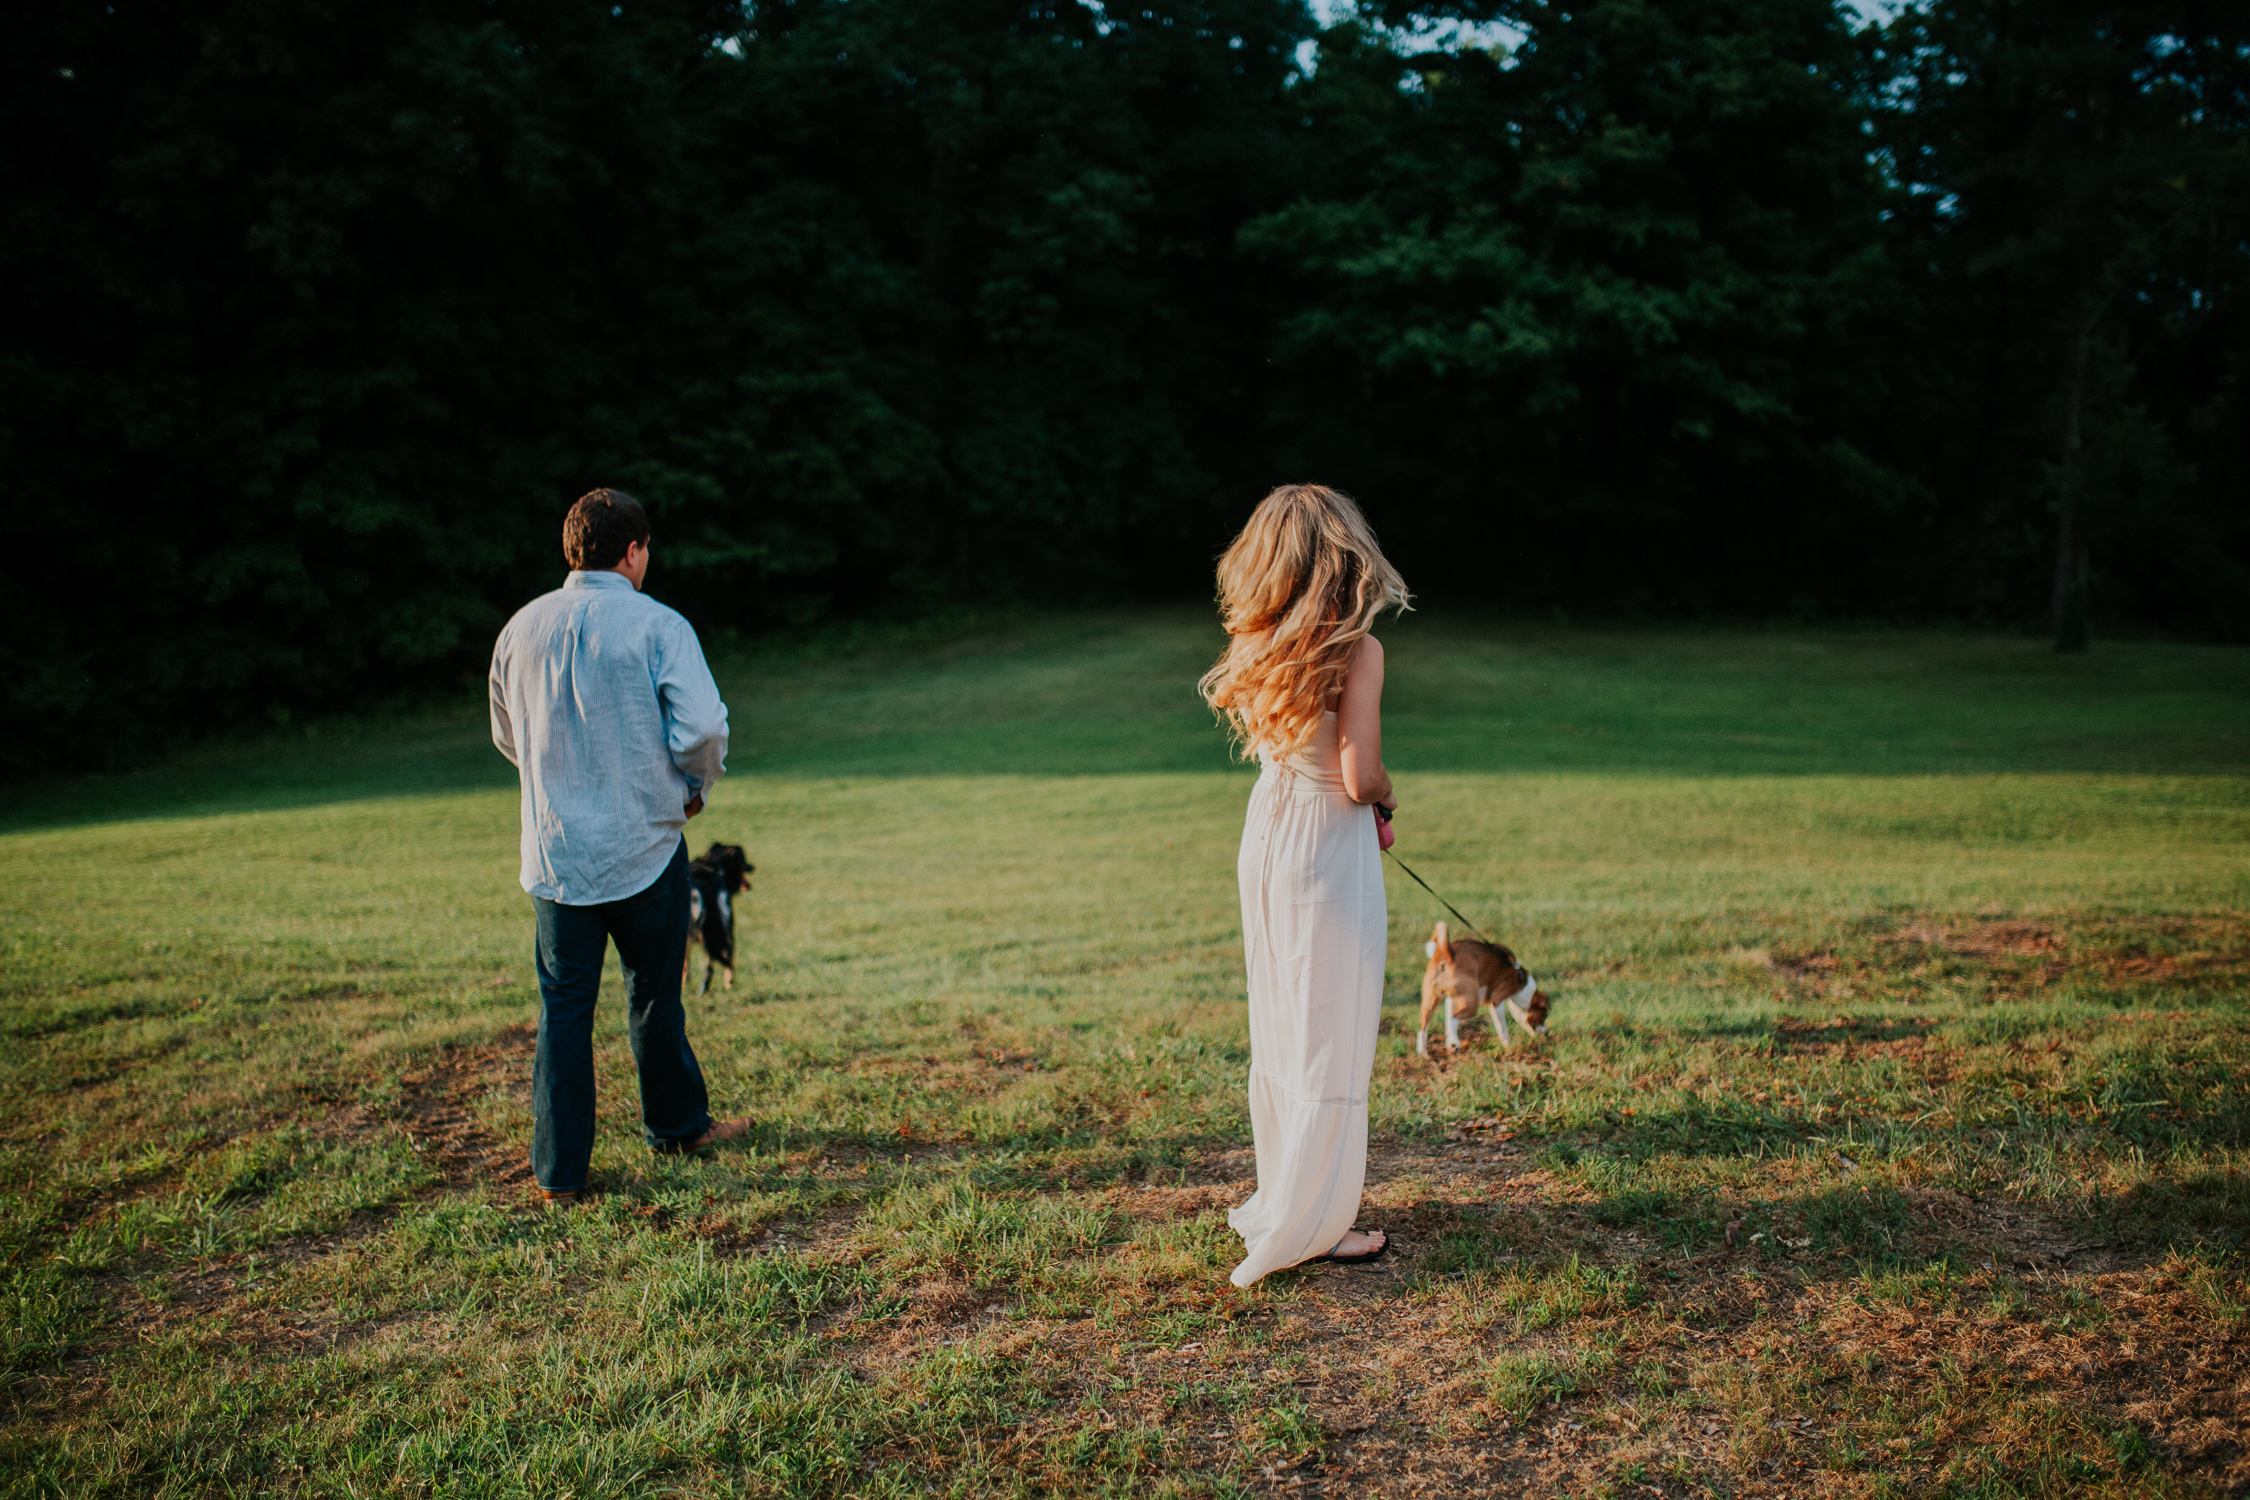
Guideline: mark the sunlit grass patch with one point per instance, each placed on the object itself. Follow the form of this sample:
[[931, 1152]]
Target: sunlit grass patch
[[1519, 1384], [1288, 1429], [990, 1240], [1520, 1298]]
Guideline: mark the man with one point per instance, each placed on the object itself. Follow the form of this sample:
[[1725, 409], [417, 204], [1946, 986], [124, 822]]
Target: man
[[602, 701]]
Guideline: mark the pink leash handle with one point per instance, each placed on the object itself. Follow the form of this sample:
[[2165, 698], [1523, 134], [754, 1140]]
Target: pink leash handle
[[1385, 834]]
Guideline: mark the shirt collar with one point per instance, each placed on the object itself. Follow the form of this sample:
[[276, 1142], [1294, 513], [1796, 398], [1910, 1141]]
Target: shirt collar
[[605, 579]]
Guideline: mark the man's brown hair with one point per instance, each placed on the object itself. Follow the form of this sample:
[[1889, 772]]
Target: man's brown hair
[[600, 526]]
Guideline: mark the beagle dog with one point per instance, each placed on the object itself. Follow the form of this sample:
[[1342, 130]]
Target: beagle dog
[[1469, 973]]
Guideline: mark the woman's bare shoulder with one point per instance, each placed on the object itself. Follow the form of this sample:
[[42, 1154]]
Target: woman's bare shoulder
[[1363, 671]]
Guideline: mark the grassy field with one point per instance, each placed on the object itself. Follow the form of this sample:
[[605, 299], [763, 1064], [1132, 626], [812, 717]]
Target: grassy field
[[1889, 1139]]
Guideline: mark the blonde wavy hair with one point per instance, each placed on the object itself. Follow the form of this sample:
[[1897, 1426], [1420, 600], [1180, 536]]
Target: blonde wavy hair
[[1297, 590]]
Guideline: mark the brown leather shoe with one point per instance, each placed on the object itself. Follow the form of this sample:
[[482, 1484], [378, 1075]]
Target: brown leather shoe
[[560, 1198], [716, 1133]]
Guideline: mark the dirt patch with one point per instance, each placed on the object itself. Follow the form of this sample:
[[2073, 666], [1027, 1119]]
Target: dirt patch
[[980, 1075], [1364, 1381], [1805, 965], [1857, 1036], [2204, 951], [440, 1115], [2006, 940], [1827, 977], [1986, 940], [1154, 1203], [221, 1301], [1341, 1388], [2014, 1237], [2156, 1363], [2147, 968], [2212, 968]]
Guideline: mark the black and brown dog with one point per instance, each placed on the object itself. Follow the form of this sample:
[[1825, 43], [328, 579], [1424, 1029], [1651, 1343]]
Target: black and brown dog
[[1465, 973], [722, 874]]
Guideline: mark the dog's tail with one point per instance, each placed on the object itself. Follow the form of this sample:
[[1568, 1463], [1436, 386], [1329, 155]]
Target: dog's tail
[[1438, 947]]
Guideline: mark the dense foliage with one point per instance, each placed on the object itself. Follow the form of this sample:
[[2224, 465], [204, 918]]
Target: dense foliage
[[318, 315]]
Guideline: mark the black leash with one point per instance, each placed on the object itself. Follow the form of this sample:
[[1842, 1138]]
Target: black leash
[[1384, 814]]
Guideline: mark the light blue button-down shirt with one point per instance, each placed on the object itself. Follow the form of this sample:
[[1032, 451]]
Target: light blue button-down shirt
[[602, 701]]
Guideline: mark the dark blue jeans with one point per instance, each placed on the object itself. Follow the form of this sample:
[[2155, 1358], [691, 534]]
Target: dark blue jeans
[[650, 930]]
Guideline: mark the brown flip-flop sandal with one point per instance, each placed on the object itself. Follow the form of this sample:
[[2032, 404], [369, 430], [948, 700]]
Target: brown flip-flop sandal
[[1365, 1257]]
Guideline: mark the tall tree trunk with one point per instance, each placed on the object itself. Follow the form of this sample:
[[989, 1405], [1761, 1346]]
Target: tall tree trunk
[[2067, 614]]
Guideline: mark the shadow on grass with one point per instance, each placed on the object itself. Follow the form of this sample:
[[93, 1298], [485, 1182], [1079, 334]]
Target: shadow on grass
[[1799, 1033]]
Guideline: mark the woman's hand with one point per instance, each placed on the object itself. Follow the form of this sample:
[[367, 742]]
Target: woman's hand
[[1359, 726]]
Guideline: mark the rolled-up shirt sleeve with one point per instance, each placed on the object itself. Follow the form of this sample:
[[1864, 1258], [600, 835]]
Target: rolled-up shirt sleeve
[[695, 718]]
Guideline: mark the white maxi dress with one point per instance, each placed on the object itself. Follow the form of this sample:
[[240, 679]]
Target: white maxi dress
[[1314, 930]]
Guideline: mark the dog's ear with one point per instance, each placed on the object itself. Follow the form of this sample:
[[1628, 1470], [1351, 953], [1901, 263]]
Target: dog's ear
[[1535, 1014], [728, 861]]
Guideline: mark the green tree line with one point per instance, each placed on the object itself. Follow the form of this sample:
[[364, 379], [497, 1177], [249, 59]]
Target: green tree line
[[320, 314]]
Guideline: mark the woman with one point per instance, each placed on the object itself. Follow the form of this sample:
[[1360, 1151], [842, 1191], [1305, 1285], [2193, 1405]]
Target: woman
[[1301, 685]]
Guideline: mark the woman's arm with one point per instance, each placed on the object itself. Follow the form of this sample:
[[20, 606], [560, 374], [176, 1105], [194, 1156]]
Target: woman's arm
[[1359, 725]]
